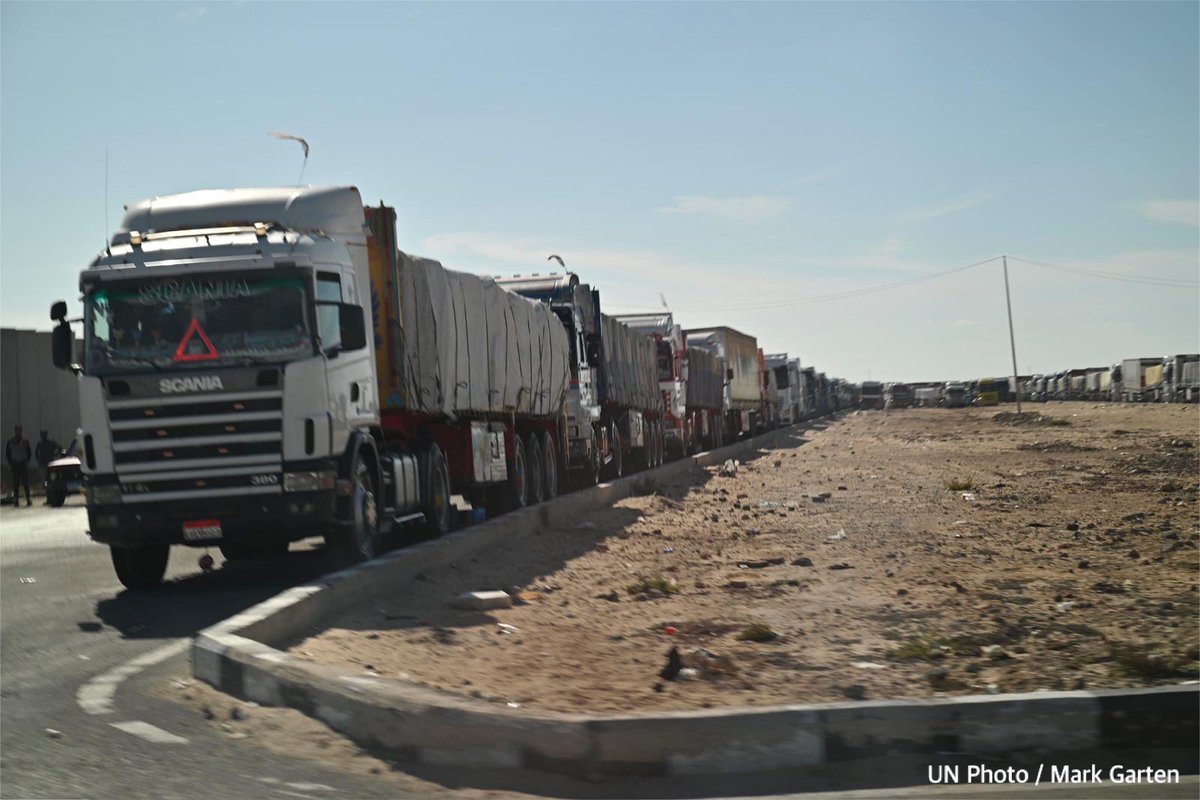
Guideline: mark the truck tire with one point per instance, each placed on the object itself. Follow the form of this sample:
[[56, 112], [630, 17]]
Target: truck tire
[[439, 514], [56, 492], [358, 539], [140, 567], [533, 455], [518, 476], [616, 467], [550, 474]]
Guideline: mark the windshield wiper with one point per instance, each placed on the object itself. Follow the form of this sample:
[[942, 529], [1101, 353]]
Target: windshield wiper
[[138, 360]]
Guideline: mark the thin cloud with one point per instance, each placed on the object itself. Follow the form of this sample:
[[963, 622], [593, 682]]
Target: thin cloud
[[1180, 212], [191, 14], [750, 208], [953, 207]]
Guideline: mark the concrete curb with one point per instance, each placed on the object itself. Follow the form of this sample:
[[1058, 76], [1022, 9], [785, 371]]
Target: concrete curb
[[413, 723]]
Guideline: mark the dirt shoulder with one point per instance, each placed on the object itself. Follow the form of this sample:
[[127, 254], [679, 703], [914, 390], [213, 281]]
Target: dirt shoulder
[[1070, 563]]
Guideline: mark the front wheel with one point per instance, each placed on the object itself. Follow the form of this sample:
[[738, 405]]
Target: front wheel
[[140, 567], [358, 539]]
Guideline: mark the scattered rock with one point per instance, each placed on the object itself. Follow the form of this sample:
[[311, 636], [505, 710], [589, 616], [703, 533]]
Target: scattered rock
[[53, 734], [673, 666], [855, 691], [995, 652], [842, 565], [482, 601], [802, 561]]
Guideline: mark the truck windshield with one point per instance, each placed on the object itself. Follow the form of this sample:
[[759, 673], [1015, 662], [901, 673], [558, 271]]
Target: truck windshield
[[177, 323]]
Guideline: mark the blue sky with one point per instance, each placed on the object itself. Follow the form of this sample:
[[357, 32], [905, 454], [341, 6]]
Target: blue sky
[[723, 155]]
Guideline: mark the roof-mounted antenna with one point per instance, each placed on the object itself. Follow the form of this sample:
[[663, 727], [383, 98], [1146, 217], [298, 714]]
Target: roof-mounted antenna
[[561, 263], [303, 144], [107, 246]]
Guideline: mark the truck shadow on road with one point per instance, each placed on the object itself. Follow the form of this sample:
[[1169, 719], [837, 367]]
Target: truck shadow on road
[[188, 604]]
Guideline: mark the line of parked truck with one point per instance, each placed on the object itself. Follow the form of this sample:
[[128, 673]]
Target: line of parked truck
[[1170, 379], [1157, 379], [263, 365]]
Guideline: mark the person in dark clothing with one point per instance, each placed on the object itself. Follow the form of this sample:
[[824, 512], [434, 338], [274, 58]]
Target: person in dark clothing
[[45, 451], [17, 453]]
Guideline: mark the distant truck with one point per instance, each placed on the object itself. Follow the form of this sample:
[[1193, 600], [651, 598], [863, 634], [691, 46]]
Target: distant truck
[[928, 396], [899, 395], [954, 395], [1181, 379], [742, 402], [690, 381], [1141, 379], [614, 417], [871, 395], [232, 395], [769, 394], [789, 386]]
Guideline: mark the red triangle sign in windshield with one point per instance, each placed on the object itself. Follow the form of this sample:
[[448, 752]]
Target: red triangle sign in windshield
[[193, 329]]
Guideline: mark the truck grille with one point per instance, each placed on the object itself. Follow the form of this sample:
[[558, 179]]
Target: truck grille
[[178, 448]]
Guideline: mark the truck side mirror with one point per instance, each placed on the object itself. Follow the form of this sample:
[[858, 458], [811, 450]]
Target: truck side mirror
[[352, 327], [62, 344], [729, 374]]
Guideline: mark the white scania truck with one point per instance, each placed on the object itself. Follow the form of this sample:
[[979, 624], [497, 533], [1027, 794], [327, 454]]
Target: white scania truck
[[232, 393]]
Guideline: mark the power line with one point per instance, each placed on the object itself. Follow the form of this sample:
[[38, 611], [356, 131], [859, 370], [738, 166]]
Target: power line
[[1094, 273], [843, 295]]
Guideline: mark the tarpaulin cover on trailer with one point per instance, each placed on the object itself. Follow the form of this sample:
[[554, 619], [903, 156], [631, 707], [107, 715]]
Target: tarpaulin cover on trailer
[[706, 379], [631, 368], [466, 345]]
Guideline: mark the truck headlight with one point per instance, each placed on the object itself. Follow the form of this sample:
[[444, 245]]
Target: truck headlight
[[103, 494], [309, 481]]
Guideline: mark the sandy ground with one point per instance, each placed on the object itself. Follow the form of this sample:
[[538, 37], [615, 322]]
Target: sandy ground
[[1073, 564]]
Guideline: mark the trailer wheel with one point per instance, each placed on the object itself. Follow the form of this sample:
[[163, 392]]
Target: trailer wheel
[[616, 467], [518, 477], [655, 445], [549, 467], [439, 513], [140, 567], [533, 455], [594, 470]]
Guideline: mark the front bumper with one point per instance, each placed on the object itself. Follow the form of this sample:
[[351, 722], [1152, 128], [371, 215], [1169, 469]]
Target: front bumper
[[247, 520]]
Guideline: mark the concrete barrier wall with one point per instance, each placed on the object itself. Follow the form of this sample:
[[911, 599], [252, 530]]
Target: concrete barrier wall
[[32, 392]]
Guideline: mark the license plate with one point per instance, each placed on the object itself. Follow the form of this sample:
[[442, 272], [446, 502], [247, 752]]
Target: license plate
[[202, 530]]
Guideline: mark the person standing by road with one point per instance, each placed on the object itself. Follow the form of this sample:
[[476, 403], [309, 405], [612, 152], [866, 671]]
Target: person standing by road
[[44, 452], [17, 454]]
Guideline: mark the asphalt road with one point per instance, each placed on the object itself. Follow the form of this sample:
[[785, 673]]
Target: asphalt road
[[67, 625], [65, 620]]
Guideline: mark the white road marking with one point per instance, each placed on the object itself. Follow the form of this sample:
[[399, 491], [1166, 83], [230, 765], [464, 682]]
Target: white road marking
[[151, 733], [96, 696]]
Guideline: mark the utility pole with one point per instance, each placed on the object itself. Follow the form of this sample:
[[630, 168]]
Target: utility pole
[[1012, 339]]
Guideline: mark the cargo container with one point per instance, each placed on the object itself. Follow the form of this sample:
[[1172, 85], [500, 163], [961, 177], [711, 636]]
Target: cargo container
[[705, 398], [1141, 379], [743, 388]]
